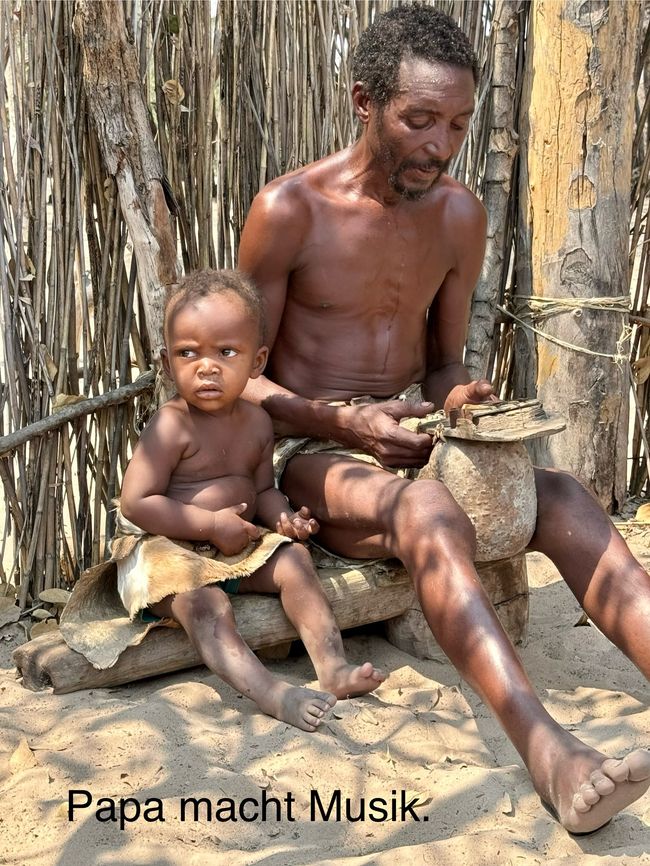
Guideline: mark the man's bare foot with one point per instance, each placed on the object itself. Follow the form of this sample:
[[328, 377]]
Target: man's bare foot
[[301, 707], [349, 681], [587, 789]]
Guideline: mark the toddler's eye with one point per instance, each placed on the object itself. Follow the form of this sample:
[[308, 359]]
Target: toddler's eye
[[186, 353], [228, 353]]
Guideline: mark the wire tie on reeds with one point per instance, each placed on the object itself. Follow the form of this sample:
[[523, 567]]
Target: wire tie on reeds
[[619, 358], [540, 306]]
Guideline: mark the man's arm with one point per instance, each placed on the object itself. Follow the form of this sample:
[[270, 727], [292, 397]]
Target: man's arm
[[270, 246], [448, 383]]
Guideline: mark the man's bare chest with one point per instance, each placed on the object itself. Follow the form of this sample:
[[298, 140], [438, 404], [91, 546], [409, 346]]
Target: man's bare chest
[[378, 265]]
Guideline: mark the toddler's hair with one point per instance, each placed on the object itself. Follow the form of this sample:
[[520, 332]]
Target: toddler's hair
[[201, 284]]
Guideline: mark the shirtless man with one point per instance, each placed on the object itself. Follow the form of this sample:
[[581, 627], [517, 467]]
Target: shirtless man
[[367, 260], [203, 470]]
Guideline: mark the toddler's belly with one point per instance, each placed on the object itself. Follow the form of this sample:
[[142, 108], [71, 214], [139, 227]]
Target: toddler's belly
[[217, 493]]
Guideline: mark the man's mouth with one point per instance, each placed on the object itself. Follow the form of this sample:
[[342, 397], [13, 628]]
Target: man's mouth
[[425, 170]]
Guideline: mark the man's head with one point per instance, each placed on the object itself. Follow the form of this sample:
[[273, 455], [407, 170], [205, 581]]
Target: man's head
[[213, 332], [403, 33], [415, 76]]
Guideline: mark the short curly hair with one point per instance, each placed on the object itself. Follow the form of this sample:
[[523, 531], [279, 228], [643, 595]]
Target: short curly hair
[[201, 284], [408, 31]]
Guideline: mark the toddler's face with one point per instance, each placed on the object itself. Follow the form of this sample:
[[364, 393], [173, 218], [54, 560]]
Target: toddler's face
[[213, 350]]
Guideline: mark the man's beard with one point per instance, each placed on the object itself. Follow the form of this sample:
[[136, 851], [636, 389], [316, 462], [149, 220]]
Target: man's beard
[[416, 194]]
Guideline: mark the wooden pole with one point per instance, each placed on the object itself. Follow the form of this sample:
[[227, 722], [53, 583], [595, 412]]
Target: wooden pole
[[577, 129], [115, 99], [497, 185]]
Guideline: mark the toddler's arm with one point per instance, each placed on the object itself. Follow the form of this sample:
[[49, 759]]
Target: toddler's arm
[[144, 501], [273, 509]]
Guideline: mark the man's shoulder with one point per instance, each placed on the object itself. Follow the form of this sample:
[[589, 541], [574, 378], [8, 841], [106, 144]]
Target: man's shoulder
[[300, 188], [461, 204]]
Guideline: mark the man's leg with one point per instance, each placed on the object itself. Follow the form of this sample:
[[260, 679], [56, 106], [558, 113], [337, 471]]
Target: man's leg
[[592, 557], [365, 511]]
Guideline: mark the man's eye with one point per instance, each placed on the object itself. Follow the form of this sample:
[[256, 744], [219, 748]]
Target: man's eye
[[418, 122]]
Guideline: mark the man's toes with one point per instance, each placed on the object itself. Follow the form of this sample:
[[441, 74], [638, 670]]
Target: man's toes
[[639, 765], [579, 804], [581, 800], [616, 769], [602, 783], [589, 794]]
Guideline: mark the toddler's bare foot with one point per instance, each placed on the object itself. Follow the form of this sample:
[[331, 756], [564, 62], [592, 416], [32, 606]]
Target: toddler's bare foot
[[301, 707], [588, 789], [348, 681]]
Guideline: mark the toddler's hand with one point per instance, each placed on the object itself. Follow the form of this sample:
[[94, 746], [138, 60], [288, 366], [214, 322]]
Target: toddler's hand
[[231, 532], [299, 525]]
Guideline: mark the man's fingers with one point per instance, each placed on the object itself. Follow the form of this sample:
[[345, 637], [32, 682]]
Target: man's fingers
[[479, 391], [399, 409]]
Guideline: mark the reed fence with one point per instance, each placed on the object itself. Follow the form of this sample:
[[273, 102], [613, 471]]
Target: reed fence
[[238, 93]]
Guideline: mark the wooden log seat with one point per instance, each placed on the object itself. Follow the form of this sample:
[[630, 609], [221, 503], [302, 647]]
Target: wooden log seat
[[478, 454], [359, 595]]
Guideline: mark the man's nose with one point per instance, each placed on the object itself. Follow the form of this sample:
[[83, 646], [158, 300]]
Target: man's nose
[[438, 145]]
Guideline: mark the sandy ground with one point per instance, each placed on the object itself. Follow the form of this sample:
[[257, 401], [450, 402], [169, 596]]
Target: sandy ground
[[188, 735]]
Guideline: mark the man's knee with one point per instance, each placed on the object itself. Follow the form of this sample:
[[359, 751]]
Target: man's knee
[[428, 512], [557, 488]]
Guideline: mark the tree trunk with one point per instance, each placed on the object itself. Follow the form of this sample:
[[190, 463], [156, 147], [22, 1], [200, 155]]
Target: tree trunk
[[577, 125], [502, 149], [116, 102]]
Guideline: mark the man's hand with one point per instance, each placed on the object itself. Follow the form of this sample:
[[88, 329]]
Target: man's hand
[[479, 391], [375, 428], [231, 533], [299, 525]]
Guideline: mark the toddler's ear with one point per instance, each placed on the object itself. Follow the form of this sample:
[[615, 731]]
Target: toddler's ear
[[164, 357], [259, 364]]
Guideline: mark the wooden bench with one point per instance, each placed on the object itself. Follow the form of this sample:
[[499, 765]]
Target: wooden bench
[[495, 487], [358, 595]]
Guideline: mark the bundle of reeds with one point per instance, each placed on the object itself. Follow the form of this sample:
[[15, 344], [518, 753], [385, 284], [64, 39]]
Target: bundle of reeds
[[234, 100]]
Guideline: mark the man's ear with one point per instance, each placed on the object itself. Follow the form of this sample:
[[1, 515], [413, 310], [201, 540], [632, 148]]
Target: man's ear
[[259, 364], [361, 102]]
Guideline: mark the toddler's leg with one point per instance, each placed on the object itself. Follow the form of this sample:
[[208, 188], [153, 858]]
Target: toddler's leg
[[292, 574], [207, 617]]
